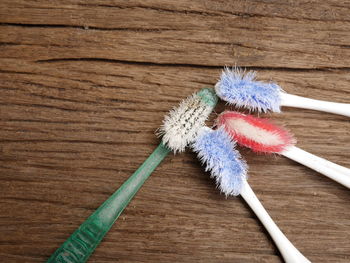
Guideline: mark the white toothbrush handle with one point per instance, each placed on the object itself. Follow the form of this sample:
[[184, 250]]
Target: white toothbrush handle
[[334, 171], [289, 252], [320, 105]]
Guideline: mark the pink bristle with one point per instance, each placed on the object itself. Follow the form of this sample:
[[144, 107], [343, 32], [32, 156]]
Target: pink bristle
[[258, 134]]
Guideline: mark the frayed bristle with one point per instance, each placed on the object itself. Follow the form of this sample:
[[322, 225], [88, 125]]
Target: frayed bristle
[[241, 89], [256, 133], [181, 125], [217, 151]]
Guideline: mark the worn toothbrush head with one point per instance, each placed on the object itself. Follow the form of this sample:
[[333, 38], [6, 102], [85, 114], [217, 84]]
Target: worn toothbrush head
[[181, 125], [217, 151], [258, 134], [240, 88]]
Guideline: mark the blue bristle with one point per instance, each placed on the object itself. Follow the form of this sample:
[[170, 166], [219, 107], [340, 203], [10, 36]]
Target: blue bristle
[[241, 89], [217, 151]]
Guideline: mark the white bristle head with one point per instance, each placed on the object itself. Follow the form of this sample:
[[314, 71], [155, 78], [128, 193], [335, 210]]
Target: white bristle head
[[181, 125]]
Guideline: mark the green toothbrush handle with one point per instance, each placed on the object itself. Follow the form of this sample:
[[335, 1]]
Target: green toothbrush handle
[[81, 244]]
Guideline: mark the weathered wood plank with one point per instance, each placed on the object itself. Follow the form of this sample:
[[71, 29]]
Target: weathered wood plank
[[84, 85], [213, 38]]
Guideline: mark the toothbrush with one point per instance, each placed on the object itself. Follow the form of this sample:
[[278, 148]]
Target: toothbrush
[[264, 137], [241, 89], [179, 128], [216, 150]]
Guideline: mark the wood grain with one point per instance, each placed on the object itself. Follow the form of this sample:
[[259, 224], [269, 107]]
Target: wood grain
[[84, 85]]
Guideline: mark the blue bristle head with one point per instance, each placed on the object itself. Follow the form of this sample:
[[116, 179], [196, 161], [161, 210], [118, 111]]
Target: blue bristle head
[[217, 151], [241, 89]]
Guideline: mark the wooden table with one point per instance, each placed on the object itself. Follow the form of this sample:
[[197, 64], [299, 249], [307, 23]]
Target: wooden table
[[85, 84]]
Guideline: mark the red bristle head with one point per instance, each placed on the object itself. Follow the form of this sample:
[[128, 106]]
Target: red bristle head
[[256, 133]]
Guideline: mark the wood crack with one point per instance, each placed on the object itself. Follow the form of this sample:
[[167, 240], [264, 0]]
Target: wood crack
[[72, 141], [84, 27], [174, 11], [144, 63]]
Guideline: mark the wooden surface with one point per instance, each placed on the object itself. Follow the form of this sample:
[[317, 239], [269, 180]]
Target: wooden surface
[[84, 85]]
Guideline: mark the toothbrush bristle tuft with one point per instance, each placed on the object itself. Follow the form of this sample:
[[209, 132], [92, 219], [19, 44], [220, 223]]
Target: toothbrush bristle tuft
[[216, 150], [258, 134], [240, 88], [181, 125]]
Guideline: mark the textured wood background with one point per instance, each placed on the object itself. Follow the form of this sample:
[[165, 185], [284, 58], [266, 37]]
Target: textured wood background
[[84, 85]]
